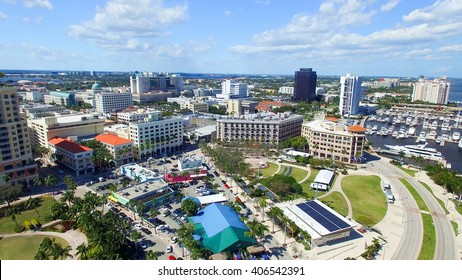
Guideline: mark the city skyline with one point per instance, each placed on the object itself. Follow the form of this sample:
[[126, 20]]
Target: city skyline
[[364, 37]]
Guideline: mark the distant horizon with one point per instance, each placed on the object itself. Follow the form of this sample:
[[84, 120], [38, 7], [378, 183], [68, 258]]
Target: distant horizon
[[223, 73]]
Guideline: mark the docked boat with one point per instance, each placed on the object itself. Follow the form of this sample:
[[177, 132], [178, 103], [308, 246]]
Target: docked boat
[[394, 134], [374, 128], [434, 125], [445, 137], [456, 136], [438, 140], [431, 135], [423, 137], [417, 150], [425, 124], [460, 144], [411, 131]]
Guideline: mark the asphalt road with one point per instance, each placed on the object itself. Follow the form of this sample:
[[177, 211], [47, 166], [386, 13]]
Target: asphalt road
[[411, 241]]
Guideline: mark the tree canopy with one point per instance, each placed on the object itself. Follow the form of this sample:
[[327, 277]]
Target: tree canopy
[[282, 185]]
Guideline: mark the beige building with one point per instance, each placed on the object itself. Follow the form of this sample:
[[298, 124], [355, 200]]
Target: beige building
[[76, 127], [15, 148], [328, 139], [433, 91], [264, 128], [195, 106], [237, 107], [72, 155], [121, 149]]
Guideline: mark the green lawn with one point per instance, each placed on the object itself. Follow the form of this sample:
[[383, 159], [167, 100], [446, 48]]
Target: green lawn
[[267, 172], [439, 200], [336, 201], [297, 173], [306, 185], [418, 199], [23, 247], [366, 197], [458, 208], [7, 225], [427, 251], [411, 172]]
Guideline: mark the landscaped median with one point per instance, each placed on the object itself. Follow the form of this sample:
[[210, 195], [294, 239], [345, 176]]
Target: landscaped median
[[366, 198], [427, 250]]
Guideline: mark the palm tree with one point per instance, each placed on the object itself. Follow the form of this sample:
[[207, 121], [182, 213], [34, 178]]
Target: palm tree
[[83, 251], [5, 177], [68, 197], [60, 252], [152, 255], [51, 180], [70, 182], [33, 203], [38, 181], [274, 212], [262, 203], [12, 211], [285, 221], [113, 188]]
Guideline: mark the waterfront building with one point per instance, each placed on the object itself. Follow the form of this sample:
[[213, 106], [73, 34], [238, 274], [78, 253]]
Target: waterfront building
[[15, 148], [305, 85], [232, 90], [121, 149], [350, 94], [433, 91], [108, 102], [264, 127], [155, 136], [331, 140], [74, 126], [60, 98], [72, 155]]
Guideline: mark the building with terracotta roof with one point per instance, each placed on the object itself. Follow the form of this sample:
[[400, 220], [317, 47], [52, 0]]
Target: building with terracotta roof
[[332, 140], [121, 149], [73, 155], [268, 105]]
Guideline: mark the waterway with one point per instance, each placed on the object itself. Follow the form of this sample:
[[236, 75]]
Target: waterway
[[450, 151]]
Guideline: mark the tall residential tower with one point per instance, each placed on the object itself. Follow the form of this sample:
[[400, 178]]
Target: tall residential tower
[[350, 94], [433, 91], [15, 149]]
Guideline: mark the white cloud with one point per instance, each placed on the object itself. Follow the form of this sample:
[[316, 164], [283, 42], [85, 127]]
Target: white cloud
[[121, 21], [454, 48], [389, 5], [440, 10], [227, 13], [419, 52], [3, 16], [44, 4]]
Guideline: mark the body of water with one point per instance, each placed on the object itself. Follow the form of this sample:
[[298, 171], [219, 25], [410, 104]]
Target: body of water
[[450, 151], [455, 93]]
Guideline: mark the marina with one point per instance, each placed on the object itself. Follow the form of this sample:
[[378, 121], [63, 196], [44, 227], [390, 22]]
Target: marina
[[435, 137]]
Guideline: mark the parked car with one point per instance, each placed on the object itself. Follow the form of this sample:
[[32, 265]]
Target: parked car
[[145, 230], [174, 239], [138, 226], [166, 213], [169, 249]]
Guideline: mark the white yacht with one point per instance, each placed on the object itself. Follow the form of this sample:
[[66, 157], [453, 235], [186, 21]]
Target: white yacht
[[445, 126], [434, 125], [417, 150], [425, 124], [394, 134], [460, 144], [445, 137], [431, 135], [456, 136], [411, 131], [423, 137], [438, 140]]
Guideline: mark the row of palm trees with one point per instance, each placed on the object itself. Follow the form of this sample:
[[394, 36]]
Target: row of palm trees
[[31, 203], [50, 249]]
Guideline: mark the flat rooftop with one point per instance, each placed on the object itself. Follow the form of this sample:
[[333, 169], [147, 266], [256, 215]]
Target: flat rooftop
[[146, 189], [132, 170]]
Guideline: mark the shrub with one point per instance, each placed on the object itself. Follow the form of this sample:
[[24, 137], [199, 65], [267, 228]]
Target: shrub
[[28, 225], [18, 229]]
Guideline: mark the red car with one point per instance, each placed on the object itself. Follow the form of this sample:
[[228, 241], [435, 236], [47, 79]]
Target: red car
[[226, 186]]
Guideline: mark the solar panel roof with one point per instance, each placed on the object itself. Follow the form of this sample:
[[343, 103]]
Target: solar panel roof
[[323, 216]]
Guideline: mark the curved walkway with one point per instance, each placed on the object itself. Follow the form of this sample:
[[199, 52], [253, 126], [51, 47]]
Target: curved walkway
[[73, 237], [338, 188]]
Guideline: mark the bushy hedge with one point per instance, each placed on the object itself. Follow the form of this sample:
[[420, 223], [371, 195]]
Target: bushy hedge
[[18, 229]]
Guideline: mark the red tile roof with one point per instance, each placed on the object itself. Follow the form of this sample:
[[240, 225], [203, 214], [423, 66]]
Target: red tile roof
[[356, 128], [112, 140], [267, 105], [332, 119], [68, 145]]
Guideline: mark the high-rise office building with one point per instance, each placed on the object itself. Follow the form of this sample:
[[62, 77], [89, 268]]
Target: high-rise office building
[[305, 85], [433, 91], [350, 94], [15, 149], [232, 90], [108, 102], [149, 82]]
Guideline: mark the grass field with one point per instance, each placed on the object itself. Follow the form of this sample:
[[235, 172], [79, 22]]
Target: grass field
[[7, 225], [267, 172], [336, 201], [427, 251], [297, 173], [439, 200], [366, 197], [306, 184], [411, 172], [23, 247], [418, 199], [458, 208]]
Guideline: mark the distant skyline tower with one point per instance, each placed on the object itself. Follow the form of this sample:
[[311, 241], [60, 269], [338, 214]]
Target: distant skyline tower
[[305, 85], [350, 94], [433, 91]]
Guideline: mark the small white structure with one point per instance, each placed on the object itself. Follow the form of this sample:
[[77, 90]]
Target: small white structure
[[190, 163], [323, 180]]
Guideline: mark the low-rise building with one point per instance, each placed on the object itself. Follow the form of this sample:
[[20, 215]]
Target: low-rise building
[[268, 105], [73, 155], [121, 149], [238, 107], [331, 140], [60, 98], [264, 128], [108, 102], [190, 163], [194, 106]]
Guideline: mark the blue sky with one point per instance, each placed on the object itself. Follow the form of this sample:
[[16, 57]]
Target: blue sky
[[363, 37]]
